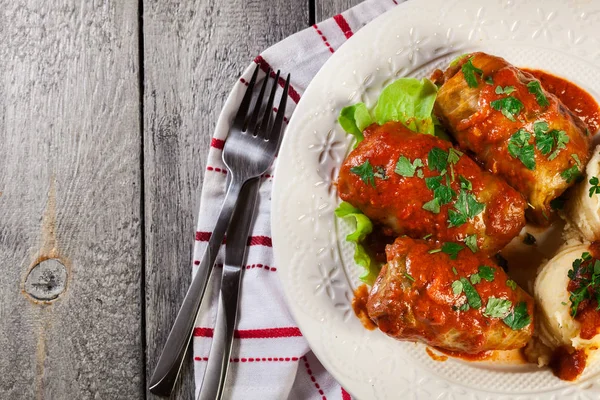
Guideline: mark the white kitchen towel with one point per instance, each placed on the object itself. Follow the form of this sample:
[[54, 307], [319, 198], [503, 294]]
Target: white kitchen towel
[[270, 358]]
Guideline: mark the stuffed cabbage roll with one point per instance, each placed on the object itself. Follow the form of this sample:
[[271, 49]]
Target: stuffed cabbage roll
[[448, 297], [419, 185], [513, 127]]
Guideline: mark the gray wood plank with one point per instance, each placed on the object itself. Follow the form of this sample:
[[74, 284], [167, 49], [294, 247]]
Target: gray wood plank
[[193, 54], [70, 191], [328, 8]]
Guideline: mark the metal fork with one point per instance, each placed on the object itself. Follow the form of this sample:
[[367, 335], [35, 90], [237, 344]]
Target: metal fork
[[249, 151]]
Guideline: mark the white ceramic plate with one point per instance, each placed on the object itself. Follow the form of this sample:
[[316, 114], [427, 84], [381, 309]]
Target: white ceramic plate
[[315, 262]]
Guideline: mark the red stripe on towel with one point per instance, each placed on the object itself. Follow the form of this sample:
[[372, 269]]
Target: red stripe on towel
[[264, 65], [267, 333], [323, 38], [343, 24]]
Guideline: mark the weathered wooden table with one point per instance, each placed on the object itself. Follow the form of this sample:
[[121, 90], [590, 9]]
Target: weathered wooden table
[[106, 114]]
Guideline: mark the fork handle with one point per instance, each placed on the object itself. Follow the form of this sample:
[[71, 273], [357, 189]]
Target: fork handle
[[171, 359], [220, 349]]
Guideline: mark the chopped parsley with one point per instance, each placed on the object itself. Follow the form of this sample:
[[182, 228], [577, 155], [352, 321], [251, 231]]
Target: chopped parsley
[[594, 189], [570, 174], [432, 206], [529, 239], [452, 249], [546, 140], [518, 318], [409, 277], [407, 169], [509, 106], [535, 88], [486, 273], [511, 284], [488, 79], [464, 307], [576, 158], [469, 71], [467, 207], [427, 236], [472, 296], [365, 172], [505, 90], [519, 147], [497, 308], [457, 287], [454, 271], [588, 279], [471, 242], [453, 157], [437, 159], [475, 279], [465, 183], [433, 251]]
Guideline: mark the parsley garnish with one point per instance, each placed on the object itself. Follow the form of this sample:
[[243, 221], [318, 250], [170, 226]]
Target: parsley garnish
[[464, 307], [519, 147], [545, 140], [432, 251], [518, 318], [486, 273], [457, 287], [410, 278], [570, 174], [497, 308], [595, 189], [380, 173], [505, 90], [529, 239], [535, 88], [469, 71], [471, 242], [475, 279], [511, 284], [432, 206], [588, 278], [509, 106], [488, 79], [472, 296], [454, 271], [427, 236], [437, 159], [407, 169], [452, 249], [365, 172], [453, 157], [467, 207], [465, 183]]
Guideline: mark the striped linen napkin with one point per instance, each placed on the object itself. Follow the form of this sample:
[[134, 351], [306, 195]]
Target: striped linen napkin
[[270, 358]]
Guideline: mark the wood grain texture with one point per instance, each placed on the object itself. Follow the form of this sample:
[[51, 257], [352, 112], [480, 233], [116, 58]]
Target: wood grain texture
[[328, 8], [193, 53], [70, 189]]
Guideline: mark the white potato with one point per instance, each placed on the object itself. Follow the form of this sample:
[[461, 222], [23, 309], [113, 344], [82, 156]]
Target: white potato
[[581, 210], [556, 326]]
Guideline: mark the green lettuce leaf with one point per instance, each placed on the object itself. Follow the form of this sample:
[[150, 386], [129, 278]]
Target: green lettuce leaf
[[364, 226], [409, 101], [354, 119]]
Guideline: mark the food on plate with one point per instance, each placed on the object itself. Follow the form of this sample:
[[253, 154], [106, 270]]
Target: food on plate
[[567, 293], [449, 297], [420, 185], [442, 177], [514, 127], [583, 206]]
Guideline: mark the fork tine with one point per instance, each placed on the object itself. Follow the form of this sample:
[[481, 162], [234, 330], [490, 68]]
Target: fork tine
[[251, 126], [276, 131], [263, 130], [240, 117]]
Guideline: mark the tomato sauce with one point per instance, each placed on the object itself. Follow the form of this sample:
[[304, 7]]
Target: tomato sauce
[[567, 363], [359, 305], [435, 357], [580, 102]]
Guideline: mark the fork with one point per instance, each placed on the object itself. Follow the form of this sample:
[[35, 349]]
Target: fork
[[249, 151]]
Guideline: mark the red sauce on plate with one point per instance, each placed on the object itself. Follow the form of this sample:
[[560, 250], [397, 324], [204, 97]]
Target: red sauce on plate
[[359, 305], [580, 102], [567, 363]]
